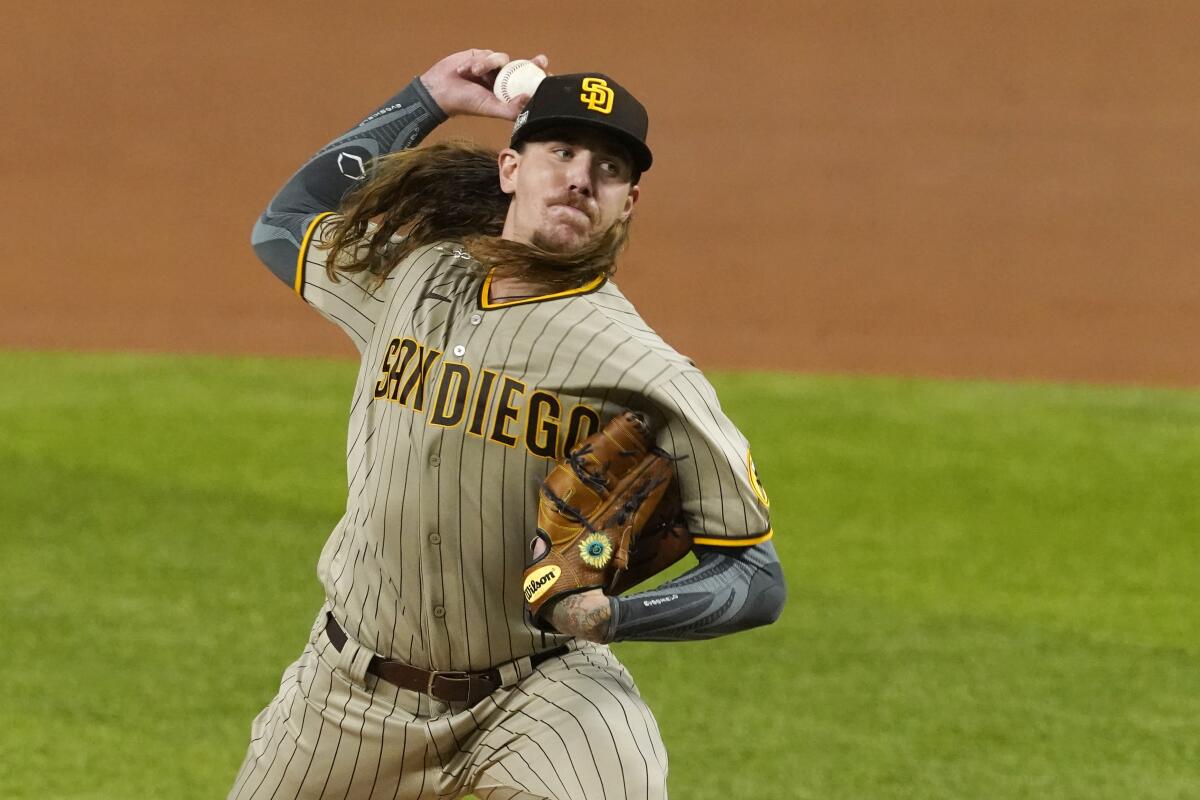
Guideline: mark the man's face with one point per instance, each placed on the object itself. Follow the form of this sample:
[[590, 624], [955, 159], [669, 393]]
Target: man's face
[[567, 190]]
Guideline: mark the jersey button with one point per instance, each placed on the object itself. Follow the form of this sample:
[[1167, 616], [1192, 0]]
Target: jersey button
[[435, 538], [439, 611], [476, 319], [459, 349], [435, 460]]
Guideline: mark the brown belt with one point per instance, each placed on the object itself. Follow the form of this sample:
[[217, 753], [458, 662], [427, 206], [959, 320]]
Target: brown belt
[[448, 686]]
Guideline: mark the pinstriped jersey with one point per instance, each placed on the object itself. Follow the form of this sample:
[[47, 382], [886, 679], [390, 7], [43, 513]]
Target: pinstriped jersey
[[460, 409]]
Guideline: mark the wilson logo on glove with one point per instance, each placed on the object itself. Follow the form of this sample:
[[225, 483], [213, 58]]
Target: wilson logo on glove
[[538, 582]]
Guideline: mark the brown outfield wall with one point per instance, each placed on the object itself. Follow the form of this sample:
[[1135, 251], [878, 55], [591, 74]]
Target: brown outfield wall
[[1003, 189]]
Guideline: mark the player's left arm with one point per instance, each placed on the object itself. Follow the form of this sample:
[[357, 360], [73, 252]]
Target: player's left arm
[[730, 590], [738, 583]]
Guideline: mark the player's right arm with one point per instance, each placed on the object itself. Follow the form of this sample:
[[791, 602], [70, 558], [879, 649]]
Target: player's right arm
[[459, 84], [285, 229]]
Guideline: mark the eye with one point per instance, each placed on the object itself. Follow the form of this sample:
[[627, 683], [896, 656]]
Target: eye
[[615, 168], [563, 153]]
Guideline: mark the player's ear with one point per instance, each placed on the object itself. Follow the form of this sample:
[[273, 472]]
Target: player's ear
[[630, 201], [508, 161]]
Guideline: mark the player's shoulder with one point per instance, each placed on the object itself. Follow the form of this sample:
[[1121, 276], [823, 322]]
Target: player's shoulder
[[623, 322], [675, 374], [439, 256], [444, 253], [441, 264]]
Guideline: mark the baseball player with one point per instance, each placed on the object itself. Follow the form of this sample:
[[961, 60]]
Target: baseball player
[[476, 287]]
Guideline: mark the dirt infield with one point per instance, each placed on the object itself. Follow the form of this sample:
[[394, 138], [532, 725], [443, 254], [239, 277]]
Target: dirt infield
[[1005, 189]]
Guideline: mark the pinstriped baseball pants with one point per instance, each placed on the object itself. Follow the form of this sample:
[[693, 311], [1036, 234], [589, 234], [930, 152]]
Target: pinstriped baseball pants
[[574, 728]]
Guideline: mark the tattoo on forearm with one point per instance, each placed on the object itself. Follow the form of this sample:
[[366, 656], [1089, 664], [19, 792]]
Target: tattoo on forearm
[[582, 616]]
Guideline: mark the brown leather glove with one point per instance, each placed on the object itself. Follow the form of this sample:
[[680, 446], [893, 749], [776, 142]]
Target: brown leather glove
[[608, 517]]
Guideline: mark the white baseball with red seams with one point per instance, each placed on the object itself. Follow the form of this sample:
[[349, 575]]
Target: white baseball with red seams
[[517, 78]]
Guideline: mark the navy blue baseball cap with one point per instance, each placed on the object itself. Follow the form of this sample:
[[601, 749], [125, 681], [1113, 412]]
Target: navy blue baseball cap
[[591, 99]]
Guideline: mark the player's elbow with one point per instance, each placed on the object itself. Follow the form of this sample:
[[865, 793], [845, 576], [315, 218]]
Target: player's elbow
[[278, 253], [768, 595]]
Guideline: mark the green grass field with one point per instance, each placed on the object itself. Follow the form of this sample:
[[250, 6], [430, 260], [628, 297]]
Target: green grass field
[[994, 589]]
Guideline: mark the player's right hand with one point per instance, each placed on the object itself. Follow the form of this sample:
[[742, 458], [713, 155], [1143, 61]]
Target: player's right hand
[[462, 84]]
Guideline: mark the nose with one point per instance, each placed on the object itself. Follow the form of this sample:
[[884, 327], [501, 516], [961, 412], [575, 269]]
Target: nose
[[579, 174]]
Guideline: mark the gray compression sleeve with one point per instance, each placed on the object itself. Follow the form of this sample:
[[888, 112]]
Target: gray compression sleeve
[[318, 186], [730, 590]]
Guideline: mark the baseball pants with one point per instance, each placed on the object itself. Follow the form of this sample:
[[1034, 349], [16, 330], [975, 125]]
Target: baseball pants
[[573, 728]]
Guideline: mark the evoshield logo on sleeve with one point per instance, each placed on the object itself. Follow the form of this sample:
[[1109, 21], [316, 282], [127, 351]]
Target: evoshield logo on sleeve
[[352, 166], [596, 95], [540, 581]]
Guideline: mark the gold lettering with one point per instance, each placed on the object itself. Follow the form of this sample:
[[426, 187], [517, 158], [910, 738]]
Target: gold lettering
[[510, 390], [455, 379], [479, 415], [596, 95], [491, 406], [381, 385], [541, 428], [581, 423], [409, 348], [416, 381]]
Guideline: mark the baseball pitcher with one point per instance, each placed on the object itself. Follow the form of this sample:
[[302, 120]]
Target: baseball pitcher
[[522, 447]]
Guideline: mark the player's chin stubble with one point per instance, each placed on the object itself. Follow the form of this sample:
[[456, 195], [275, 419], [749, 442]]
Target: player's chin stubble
[[562, 244]]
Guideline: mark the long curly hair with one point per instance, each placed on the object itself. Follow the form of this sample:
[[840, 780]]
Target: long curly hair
[[450, 191]]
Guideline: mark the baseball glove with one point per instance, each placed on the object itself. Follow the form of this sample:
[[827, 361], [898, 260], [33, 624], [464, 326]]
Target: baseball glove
[[608, 518]]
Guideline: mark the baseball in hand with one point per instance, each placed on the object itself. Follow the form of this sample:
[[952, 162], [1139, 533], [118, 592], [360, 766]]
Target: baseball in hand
[[517, 78]]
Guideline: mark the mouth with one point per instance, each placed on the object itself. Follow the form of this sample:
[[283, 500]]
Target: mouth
[[574, 211]]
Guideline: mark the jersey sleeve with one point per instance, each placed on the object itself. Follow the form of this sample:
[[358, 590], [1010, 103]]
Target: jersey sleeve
[[724, 503], [352, 302]]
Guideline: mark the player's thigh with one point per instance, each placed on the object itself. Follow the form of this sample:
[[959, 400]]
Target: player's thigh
[[324, 734], [575, 730]]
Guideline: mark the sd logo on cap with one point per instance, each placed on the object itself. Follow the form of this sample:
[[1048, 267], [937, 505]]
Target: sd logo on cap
[[596, 95]]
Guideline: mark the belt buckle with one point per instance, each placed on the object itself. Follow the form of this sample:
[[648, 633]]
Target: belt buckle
[[450, 675]]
